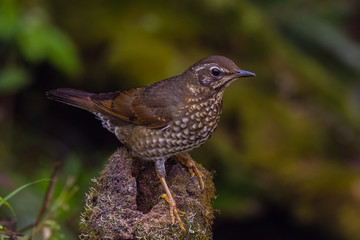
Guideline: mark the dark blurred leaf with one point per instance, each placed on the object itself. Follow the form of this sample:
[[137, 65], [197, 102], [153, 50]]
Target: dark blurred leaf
[[39, 41], [13, 79], [331, 39], [8, 18], [8, 206], [13, 193]]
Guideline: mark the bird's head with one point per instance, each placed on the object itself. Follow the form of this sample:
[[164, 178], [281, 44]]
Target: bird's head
[[217, 72]]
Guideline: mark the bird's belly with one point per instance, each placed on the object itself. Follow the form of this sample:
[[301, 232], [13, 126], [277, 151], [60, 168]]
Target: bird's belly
[[181, 135]]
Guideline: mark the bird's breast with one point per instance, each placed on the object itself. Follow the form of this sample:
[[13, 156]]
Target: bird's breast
[[194, 124]]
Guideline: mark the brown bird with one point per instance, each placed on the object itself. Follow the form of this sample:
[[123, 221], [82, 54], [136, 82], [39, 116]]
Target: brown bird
[[164, 119]]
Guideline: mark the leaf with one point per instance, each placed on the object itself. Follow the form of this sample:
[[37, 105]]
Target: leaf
[[8, 18], [13, 79], [41, 41], [13, 193], [61, 51], [9, 206]]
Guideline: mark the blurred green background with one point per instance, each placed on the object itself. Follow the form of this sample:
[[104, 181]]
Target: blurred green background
[[286, 153]]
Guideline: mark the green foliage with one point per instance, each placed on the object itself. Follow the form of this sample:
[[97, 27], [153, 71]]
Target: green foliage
[[28, 33], [7, 205], [13, 79], [9, 16], [47, 227], [4, 234], [13, 193], [38, 41]]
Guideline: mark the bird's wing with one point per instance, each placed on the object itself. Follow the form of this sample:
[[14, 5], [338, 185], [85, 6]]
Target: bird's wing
[[129, 106]]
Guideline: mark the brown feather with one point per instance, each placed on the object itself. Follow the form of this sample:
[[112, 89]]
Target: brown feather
[[72, 97], [118, 104], [129, 107]]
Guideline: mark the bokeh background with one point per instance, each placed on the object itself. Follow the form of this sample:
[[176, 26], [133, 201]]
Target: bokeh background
[[286, 155]]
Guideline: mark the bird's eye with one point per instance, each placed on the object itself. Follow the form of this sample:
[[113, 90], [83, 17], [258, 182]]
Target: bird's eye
[[215, 71]]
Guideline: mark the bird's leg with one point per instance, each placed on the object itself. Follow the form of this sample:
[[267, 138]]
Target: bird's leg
[[174, 212], [187, 161]]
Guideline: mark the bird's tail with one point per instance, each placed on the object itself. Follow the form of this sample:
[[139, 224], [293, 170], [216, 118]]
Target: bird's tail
[[72, 97]]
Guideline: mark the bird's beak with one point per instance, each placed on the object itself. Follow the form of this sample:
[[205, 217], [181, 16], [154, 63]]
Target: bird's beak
[[243, 73], [226, 81]]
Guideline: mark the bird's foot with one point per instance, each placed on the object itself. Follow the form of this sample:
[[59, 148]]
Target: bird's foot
[[174, 212], [187, 161]]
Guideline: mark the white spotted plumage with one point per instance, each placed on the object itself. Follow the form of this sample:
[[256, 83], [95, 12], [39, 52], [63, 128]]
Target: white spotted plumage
[[181, 135]]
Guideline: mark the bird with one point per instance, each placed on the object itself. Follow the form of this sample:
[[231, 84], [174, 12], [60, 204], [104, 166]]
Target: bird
[[164, 119]]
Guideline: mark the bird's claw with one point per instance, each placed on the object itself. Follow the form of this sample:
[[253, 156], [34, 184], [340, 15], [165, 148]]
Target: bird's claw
[[174, 211], [187, 161], [194, 170]]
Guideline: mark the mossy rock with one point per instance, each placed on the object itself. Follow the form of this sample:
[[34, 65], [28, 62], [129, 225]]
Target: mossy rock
[[125, 202]]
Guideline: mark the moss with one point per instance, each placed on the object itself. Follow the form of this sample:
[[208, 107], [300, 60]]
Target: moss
[[125, 202]]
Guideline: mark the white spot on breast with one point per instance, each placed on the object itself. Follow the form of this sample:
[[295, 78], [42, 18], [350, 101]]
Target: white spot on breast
[[185, 120], [152, 151]]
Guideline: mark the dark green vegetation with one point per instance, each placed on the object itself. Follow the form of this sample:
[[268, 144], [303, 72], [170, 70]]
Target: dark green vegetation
[[288, 142]]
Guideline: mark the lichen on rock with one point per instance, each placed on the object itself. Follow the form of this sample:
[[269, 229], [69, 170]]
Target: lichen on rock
[[125, 202]]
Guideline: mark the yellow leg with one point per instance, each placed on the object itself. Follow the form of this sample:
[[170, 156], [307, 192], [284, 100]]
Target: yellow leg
[[174, 212], [187, 161]]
